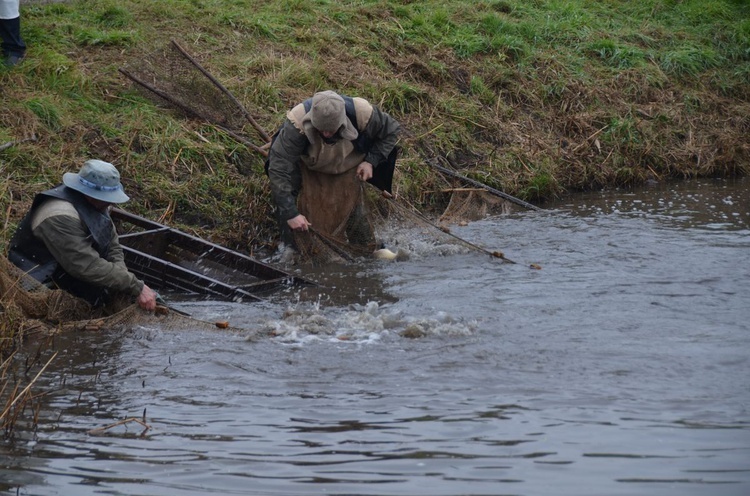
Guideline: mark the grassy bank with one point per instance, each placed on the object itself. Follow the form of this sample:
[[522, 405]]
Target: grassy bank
[[534, 97]]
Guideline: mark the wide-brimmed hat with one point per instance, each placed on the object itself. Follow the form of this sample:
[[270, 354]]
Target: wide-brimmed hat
[[99, 180], [328, 113]]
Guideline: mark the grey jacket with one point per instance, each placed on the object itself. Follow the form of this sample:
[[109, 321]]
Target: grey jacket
[[291, 147], [55, 243], [69, 242]]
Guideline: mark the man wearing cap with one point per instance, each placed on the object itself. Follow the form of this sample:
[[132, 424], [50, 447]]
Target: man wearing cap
[[68, 241], [325, 148]]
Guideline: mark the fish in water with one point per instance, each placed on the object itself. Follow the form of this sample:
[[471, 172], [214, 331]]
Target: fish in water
[[386, 254]]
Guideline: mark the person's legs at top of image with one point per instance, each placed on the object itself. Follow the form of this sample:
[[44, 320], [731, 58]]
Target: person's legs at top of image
[[13, 46]]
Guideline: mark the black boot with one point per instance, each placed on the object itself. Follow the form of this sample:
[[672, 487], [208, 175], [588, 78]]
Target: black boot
[[14, 49]]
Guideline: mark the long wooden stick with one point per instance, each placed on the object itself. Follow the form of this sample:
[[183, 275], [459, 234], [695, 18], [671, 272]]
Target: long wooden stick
[[221, 87], [9, 144], [489, 189], [190, 111], [390, 199], [100, 430]]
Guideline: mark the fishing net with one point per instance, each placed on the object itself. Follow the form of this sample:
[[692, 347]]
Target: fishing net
[[28, 306], [348, 222], [472, 204], [172, 77], [407, 231], [379, 221], [334, 205]]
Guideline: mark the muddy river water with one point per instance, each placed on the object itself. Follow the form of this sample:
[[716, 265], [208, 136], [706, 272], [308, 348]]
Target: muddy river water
[[622, 367]]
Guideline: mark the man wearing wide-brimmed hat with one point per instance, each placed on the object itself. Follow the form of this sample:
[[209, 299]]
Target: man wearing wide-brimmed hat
[[327, 145], [68, 241]]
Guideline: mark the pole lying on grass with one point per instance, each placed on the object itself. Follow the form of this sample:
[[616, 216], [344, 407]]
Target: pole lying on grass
[[223, 89], [188, 110]]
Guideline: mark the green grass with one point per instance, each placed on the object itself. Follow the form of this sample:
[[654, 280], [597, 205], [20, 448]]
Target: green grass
[[535, 97]]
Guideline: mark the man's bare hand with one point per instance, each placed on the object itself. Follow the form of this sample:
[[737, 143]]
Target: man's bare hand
[[299, 223], [147, 299], [364, 171]]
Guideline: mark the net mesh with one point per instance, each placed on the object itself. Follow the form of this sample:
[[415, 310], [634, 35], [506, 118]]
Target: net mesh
[[28, 306], [380, 221], [472, 204], [348, 223], [173, 78]]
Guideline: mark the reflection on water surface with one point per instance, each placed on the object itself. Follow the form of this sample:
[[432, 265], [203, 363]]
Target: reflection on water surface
[[619, 368]]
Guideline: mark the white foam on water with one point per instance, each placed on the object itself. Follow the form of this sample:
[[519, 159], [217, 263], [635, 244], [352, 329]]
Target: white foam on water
[[421, 243], [305, 322]]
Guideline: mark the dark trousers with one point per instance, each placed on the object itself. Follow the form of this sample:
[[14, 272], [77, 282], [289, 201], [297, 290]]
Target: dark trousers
[[10, 33], [285, 231]]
